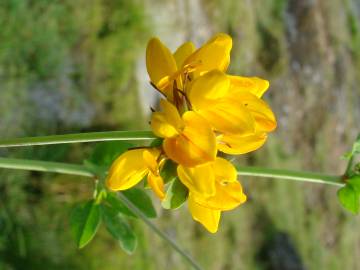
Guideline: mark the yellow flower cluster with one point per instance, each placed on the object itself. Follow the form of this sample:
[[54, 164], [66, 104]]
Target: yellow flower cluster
[[204, 111]]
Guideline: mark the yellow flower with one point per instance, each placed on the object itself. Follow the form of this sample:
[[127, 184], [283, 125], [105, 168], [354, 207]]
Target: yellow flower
[[188, 139], [205, 110], [132, 166], [249, 92], [168, 72], [209, 96], [233, 107], [213, 188]]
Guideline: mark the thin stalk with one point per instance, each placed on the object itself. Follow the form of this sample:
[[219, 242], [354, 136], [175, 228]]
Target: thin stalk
[[291, 175], [160, 233], [65, 168], [79, 138], [45, 166]]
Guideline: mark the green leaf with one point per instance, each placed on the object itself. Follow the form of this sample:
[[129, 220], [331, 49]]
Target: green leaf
[[138, 197], [175, 196], [85, 220], [115, 202], [106, 152], [354, 181], [349, 198], [119, 229], [141, 200], [168, 172]]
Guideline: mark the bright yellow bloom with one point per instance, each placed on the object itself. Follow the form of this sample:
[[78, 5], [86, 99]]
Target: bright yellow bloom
[[254, 85], [213, 188], [188, 139], [132, 166], [233, 107], [209, 96], [248, 91], [168, 72], [205, 110]]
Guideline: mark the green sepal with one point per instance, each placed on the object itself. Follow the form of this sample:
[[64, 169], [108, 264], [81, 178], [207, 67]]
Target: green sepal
[[176, 195], [168, 171], [156, 142]]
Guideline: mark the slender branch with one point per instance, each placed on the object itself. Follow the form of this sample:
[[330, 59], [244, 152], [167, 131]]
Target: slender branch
[[45, 166], [79, 138], [291, 175], [65, 168], [160, 233]]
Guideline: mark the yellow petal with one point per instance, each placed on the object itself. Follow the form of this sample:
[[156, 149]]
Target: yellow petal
[[227, 197], [199, 179], [229, 116], [207, 217], [228, 194], [150, 158], [157, 185], [195, 145], [161, 127], [127, 170], [224, 170], [262, 113], [166, 124], [160, 62], [254, 85], [209, 87], [215, 54], [172, 114], [236, 144], [183, 52]]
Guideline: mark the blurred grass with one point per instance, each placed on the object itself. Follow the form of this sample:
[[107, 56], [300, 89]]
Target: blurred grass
[[68, 66]]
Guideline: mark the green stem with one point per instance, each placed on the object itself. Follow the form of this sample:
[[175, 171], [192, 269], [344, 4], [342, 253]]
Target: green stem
[[291, 175], [80, 170], [160, 233], [79, 138], [45, 166], [65, 168]]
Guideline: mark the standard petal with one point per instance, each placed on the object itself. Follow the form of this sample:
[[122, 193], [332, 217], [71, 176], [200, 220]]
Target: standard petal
[[262, 113], [207, 217], [211, 86], [199, 179], [183, 52], [236, 144], [168, 123], [172, 114], [254, 85], [161, 127], [195, 145], [160, 62], [227, 197], [215, 54], [127, 170], [229, 116], [157, 185]]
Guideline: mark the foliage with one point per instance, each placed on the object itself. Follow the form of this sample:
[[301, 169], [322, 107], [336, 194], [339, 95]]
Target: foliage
[[349, 195]]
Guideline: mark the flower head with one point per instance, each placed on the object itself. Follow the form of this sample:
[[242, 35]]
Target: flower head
[[204, 111]]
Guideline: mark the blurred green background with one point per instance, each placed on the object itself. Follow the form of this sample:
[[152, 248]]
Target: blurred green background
[[75, 66]]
